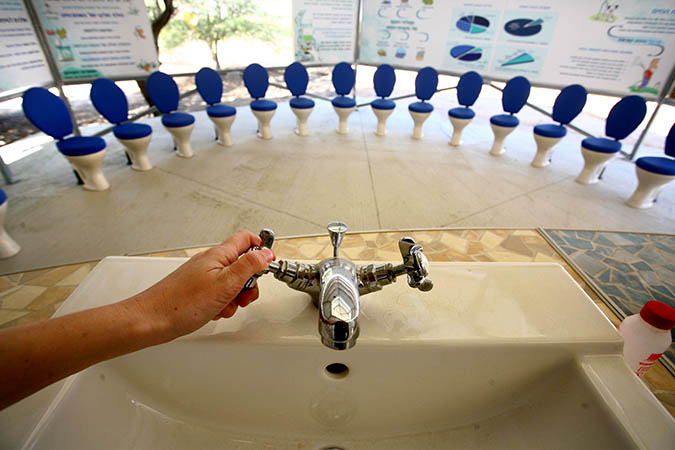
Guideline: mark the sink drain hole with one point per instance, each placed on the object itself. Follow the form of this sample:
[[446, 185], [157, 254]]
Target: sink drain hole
[[337, 370]]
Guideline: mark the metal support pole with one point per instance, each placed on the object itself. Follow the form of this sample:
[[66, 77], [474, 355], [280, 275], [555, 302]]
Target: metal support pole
[[357, 47], [667, 88], [51, 60]]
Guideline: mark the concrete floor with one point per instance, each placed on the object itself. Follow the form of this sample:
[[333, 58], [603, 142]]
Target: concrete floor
[[297, 185]]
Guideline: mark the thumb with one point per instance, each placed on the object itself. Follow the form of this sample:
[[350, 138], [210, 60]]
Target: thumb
[[249, 264]]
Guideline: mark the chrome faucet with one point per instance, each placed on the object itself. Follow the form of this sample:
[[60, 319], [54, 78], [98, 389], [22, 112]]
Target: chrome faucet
[[336, 284]]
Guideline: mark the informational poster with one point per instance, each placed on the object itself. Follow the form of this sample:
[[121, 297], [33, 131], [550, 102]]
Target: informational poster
[[95, 38], [324, 30], [22, 63], [614, 46]]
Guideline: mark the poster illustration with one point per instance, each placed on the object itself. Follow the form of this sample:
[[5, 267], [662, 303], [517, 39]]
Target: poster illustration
[[324, 30], [94, 38], [22, 63], [614, 46]]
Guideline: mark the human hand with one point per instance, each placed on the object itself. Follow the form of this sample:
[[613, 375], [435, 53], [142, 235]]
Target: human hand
[[208, 286]]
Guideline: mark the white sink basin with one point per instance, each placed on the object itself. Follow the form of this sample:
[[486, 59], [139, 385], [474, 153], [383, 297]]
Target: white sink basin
[[495, 356]]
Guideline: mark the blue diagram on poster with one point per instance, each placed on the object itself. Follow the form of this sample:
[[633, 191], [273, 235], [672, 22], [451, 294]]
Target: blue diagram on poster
[[523, 27], [473, 24], [528, 27], [462, 56], [514, 60], [523, 58], [466, 52]]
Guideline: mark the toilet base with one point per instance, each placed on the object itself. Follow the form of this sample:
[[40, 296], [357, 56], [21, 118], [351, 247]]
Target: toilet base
[[457, 129], [594, 165], [418, 120], [544, 150], [137, 152], [343, 115], [649, 186], [181, 140], [88, 168], [500, 135], [264, 120], [223, 125], [302, 114]]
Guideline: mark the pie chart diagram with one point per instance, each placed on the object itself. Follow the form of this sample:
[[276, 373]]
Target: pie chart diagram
[[523, 27], [473, 24], [466, 52]]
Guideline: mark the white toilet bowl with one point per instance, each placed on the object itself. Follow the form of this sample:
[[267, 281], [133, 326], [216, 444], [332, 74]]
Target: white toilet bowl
[[418, 120], [8, 246], [137, 149], [343, 115], [223, 126], [594, 163], [88, 167], [302, 115], [650, 184], [457, 128], [181, 139], [544, 150], [264, 120], [500, 134], [382, 116]]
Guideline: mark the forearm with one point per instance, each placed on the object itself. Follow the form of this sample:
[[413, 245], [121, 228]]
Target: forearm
[[34, 356]]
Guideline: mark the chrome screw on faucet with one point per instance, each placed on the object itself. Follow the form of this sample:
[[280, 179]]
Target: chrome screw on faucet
[[267, 237]]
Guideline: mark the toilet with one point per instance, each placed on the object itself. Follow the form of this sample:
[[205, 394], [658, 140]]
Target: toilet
[[514, 97], [296, 79], [383, 82], [88, 166], [210, 87], [343, 78], [653, 173], [622, 120], [163, 91], [136, 145], [110, 101], [569, 103], [8, 246], [468, 90], [84, 153], [256, 80], [426, 83], [597, 152]]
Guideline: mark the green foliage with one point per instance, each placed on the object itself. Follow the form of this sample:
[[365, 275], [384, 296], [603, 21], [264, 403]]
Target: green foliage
[[212, 20]]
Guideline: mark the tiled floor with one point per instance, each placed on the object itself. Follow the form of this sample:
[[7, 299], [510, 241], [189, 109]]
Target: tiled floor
[[34, 296]]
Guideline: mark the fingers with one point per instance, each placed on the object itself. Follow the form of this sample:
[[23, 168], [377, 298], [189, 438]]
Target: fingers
[[228, 311], [245, 298], [230, 249], [250, 263]]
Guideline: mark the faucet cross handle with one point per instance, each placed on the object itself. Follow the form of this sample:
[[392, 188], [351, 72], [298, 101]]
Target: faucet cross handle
[[267, 237], [336, 230], [415, 263]]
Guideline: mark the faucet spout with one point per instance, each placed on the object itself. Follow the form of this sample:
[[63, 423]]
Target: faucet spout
[[338, 304]]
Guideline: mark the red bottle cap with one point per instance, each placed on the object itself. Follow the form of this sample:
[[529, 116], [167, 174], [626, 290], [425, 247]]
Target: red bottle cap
[[658, 315]]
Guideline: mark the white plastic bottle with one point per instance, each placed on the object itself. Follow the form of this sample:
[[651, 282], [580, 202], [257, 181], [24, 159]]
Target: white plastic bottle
[[647, 335]]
